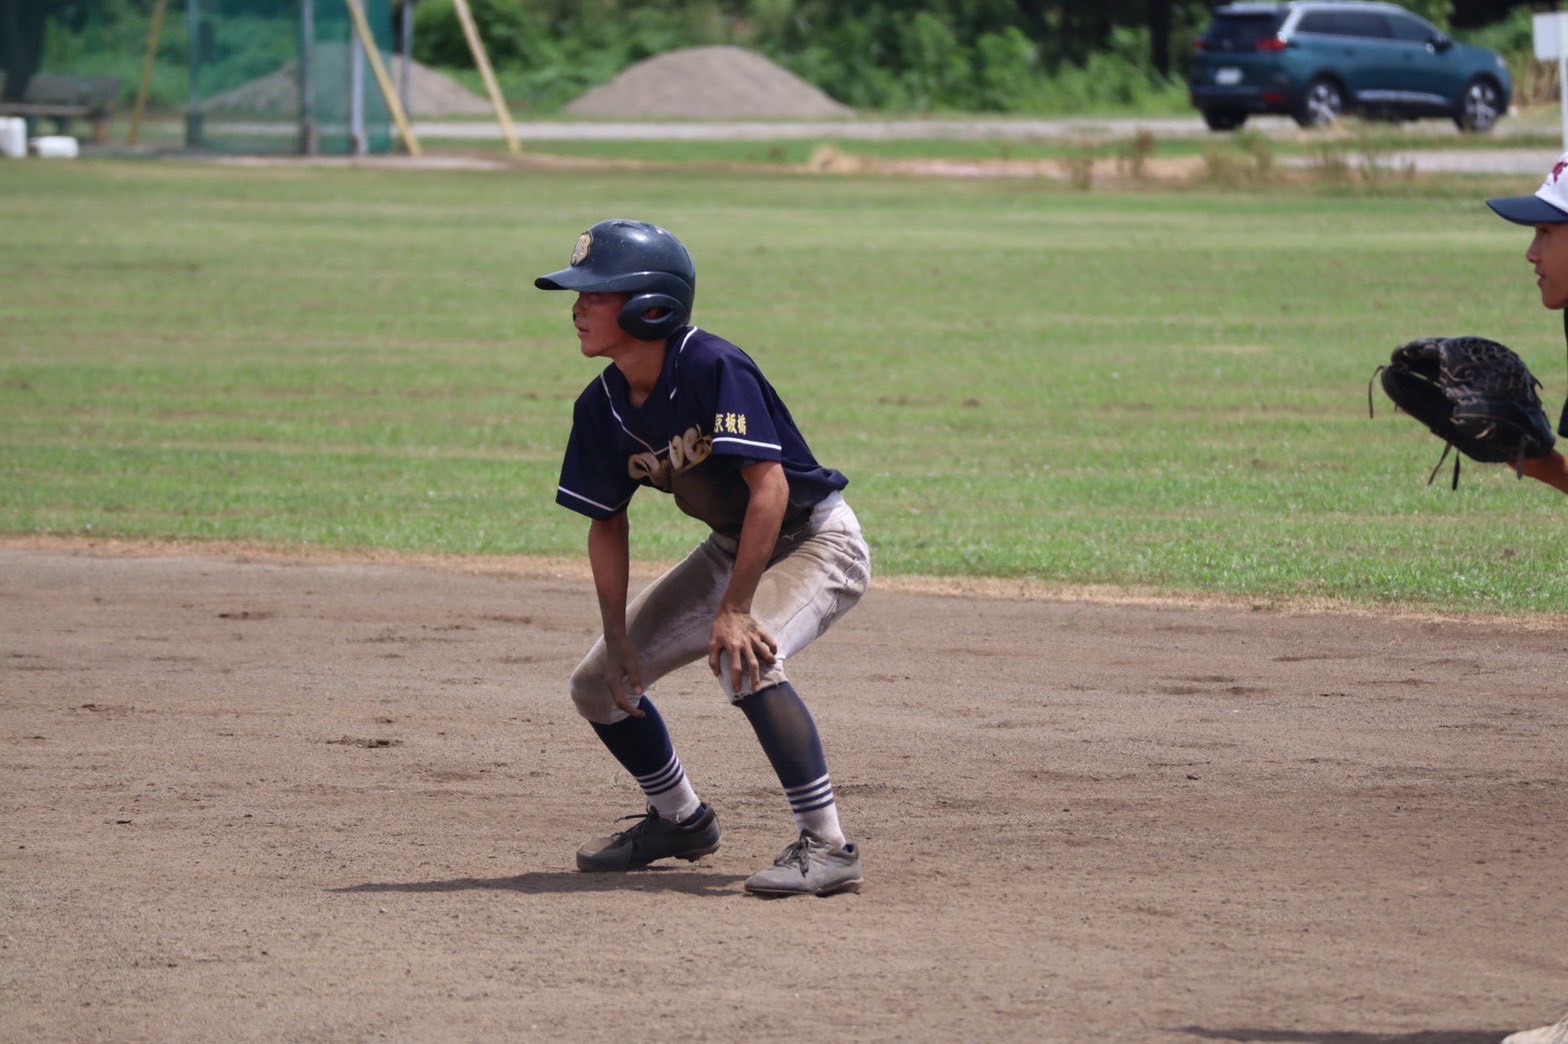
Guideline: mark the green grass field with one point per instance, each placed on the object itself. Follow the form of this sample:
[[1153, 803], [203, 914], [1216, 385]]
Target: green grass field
[[1158, 389]]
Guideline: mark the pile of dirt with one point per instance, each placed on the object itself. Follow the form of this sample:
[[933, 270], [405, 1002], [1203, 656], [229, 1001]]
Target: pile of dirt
[[430, 93], [708, 83]]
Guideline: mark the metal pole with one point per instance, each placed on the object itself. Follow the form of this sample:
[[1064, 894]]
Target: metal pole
[[1562, 72], [356, 94], [193, 128], [309, 135], [383, 81], [406, 48], [476, 46], [154, 32]]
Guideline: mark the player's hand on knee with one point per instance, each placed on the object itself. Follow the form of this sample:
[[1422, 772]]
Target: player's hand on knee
[[749, 646], [623, 676]]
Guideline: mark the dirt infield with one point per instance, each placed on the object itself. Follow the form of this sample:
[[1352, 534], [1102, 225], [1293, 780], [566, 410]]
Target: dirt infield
[[254, 798]]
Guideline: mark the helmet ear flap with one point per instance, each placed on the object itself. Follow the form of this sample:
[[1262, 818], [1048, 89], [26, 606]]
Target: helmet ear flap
[[634, 319]]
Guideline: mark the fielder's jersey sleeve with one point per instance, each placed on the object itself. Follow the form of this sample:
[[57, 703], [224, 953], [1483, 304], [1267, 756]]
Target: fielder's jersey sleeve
[[711, 413], [744, 407], [594, 478]]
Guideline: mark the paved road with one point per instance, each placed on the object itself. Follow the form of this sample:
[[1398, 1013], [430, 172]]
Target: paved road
[[864, 130], [1501, 160], [753, 130], [1534, 162]]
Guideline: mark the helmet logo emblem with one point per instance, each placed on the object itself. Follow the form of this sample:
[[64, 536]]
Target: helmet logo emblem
[[580, 251]]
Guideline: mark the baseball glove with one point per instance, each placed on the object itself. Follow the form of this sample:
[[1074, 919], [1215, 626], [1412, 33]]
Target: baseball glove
[[1474, 394]]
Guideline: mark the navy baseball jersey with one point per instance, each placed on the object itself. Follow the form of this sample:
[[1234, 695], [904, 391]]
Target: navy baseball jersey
[[711, 413]]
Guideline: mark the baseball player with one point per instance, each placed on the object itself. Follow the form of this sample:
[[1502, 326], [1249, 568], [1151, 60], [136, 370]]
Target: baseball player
[[1547, 212], [685, 412]]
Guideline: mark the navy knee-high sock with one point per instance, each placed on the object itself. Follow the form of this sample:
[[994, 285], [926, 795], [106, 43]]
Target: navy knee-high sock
[[644, 749], [788, 734]]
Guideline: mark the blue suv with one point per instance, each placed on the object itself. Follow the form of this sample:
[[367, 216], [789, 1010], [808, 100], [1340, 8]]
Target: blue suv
[[1315, 60]]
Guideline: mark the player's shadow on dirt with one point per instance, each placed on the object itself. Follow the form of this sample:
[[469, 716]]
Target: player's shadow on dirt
[[546, 882], [1278, 1036]]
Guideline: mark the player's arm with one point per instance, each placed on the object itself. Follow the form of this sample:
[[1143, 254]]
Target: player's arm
[[609, 555], [1549, 468], [735, 632]]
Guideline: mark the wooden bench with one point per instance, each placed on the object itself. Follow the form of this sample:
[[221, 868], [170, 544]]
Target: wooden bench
[[66, 97]]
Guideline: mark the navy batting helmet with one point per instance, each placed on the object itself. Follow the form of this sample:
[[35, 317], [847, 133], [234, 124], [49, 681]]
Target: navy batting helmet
[[634, 257]]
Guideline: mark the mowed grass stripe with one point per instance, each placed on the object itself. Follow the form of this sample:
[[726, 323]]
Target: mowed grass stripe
[[1154, 389]]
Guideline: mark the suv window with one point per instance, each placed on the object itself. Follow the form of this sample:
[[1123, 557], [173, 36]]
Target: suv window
[[1318, 22], [1345, 23], [1411, 30], [1240, 32], [1366, 23]]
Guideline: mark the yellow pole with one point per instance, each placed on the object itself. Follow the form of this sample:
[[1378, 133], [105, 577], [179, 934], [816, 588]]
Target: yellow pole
[[145, 87], [362, 28], [482, 60]]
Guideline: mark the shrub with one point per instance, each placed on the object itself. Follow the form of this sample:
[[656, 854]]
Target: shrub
[[1009, 73], [937, 72]]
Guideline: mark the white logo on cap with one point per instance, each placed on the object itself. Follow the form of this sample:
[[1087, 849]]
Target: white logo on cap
[[580, 251], [1553, 190]]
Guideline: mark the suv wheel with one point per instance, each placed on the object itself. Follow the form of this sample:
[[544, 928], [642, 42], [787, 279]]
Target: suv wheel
[[1322, 104], [1224, 119], [1478, 106]]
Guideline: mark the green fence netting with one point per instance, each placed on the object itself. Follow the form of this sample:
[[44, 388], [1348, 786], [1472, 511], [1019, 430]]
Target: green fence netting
[[232, 76]]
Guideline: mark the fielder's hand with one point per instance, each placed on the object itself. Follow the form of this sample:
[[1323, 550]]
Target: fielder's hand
[[749, 646], [622, 675]]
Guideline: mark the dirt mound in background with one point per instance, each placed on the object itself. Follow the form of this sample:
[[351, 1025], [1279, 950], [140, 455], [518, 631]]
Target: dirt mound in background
[[708, 83], [430, 93]]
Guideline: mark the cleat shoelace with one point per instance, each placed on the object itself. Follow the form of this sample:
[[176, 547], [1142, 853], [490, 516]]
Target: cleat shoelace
[[798, 855], [644, 816]]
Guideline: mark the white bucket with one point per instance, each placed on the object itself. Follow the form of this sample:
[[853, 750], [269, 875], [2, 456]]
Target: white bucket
[[13, 137], [55, 147]]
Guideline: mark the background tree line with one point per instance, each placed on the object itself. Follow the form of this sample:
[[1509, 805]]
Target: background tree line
[[892, 55], [900, 55]]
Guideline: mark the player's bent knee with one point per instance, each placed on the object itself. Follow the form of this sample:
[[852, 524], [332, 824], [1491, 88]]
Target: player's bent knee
[[770, 677], [591, 700], [738, 698]]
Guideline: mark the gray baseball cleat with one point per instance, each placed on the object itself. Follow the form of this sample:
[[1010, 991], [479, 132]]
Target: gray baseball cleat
[[652, 838], [810, 866]]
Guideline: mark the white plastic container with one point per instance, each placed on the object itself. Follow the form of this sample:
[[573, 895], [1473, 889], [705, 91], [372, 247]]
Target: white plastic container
[[13, 137], [55, 146]]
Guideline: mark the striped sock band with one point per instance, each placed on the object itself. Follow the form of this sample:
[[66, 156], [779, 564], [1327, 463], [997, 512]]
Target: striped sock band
[[815, 809], [638, 743], [808, 797], [670, 792]]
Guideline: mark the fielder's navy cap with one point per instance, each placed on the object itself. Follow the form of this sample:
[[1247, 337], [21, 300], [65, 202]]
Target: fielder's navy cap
[[1549, 205]]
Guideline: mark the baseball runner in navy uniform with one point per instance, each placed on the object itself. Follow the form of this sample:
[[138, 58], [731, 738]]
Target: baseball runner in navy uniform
[[687, 413]]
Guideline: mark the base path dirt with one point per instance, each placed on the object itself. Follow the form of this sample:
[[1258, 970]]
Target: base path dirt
[[247, 797]]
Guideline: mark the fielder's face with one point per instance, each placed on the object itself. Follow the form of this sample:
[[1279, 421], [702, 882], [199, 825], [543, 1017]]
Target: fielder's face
[[1549, 254], [597, 318]]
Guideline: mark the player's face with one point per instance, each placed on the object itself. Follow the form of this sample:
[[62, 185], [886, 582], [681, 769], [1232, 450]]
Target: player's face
[[597, 318], [1549, 254]]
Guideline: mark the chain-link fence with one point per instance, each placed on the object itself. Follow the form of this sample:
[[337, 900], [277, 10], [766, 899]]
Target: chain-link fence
[[241, 76]]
